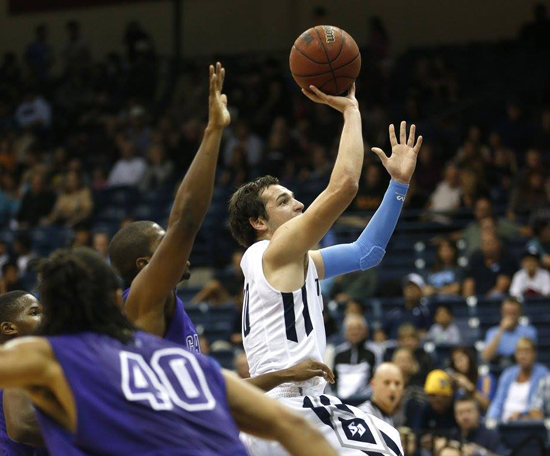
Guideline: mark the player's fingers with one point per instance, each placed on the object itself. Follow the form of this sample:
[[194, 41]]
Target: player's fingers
[[223, 98], [352, 90], [418, 144], [329, 373], [212, 81], [403, 132], [218, 75], [412, 134], [222, 78], [323, 96], [381, 154], [312, 96], [393, 139]]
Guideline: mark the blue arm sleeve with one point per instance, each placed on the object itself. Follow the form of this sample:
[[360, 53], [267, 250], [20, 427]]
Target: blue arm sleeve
[[370, 247]]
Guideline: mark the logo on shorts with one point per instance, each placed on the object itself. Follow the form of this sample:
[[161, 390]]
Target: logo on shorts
[[329, 34], [354, 429]]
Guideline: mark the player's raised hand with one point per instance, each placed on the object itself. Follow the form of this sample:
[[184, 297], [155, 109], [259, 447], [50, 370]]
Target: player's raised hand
[[402, 161], [338, 103], [309, 369], [218, 115]]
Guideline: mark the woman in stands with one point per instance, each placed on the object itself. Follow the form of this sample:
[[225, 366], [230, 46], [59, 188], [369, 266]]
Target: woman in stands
[[464, 371], [518, 384], [446, 276]]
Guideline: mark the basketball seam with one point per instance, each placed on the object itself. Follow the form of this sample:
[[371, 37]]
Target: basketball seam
[[342, 45], [328, 58], [325, 72], [308, 57]]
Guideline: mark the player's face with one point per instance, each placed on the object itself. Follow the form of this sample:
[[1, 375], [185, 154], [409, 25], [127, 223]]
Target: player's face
[[281, 206], [30, 316], [159, 234]]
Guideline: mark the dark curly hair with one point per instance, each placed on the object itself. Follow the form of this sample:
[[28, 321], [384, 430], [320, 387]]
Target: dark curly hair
[[245, 204], [78, 292]]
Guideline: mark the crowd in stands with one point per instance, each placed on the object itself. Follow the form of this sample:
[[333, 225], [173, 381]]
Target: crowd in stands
[[75, 129]]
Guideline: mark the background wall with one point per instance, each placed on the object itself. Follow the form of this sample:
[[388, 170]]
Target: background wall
[[212, 26]]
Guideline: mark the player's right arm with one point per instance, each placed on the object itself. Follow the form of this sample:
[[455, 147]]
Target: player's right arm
[[296, 237], [154, 283], [258, 415], [26, 362]]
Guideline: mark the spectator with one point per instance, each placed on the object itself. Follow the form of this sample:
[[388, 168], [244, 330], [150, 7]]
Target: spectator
[[100, 243], [160, 170], [541, 242], [437, 414], [22, 248], [354, 362], [75, 203], [77, 53], [483, 209], [371, 190], [240, 364], [468, 382], [444, 331], [138, 132], [10, 278], [129, 169], [409, 337], [449, 451], [489, 270], [518, 384], [446, 276], [34, 112], [37, 202], [445, 199], [414, 312], [501, 340], [356, 286], [39, 54], [252, 144], [528, 195], [226, 286], [387, 391], [540, 403], [531, 279], [428, 170], [474, 437], [82, 236]]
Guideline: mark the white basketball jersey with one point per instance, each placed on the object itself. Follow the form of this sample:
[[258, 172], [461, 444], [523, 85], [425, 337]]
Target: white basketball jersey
[[281, 329]]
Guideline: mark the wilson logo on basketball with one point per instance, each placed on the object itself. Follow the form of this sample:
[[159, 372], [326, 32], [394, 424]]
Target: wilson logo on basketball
[[329, 34]]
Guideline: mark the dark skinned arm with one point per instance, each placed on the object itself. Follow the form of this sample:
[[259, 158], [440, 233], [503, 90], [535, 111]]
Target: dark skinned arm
[[21, 422], [157, 280]]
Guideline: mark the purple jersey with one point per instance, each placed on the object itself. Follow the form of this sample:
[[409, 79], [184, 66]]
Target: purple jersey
[[147, 397], [10, 448], [180, 330]]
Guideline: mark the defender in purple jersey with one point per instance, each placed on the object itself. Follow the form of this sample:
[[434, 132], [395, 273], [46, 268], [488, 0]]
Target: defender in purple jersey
[[20, 315], [102, 387]]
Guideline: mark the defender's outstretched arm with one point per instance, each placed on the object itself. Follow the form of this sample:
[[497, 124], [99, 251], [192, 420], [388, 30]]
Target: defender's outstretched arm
[[155, 282]]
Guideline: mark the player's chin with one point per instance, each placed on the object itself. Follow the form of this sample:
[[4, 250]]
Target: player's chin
[[186, 276]]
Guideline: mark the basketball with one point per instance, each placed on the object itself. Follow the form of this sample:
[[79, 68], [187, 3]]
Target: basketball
[[326, 57]]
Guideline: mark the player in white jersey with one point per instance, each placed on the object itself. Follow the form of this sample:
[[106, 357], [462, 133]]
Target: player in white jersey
[[282, 311]]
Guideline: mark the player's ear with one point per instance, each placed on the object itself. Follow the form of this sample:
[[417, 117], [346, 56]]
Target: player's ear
[[258, 224], [142, 262], [8, 329]]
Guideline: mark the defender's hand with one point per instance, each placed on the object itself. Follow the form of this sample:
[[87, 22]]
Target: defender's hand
[[338, 103], [402, 161], [218, 115], [309, 369]]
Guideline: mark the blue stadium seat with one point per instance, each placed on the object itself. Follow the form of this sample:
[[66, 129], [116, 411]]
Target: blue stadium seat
[[527, 438]]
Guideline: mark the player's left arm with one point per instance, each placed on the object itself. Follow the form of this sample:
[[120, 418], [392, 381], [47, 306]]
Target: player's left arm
[[369, 249], [299, 373], [155, 282], [21, 422]]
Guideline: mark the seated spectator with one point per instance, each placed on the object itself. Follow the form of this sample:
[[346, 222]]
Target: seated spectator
[[356, 286], [501, 340], [240, 364], [528, 195], [449, 451], [82, 236], [414, 312], [22, 249], [490, 269], [37, 202], [226, 285], [444, 331], [100, 243], [10, 278], [371, 190], [240, 134], [446, 276], [541, 242], [437, 415], [468, 382], [129, 169], [75, 203], [354, 362], [483, 209], [34, 112], [387, 391], [518, 384], [160, 170], [409, 337], [531, 279], [474, 436], [446, 197]]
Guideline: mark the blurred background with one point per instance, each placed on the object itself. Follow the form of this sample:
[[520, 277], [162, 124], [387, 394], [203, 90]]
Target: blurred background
[[102, 108]]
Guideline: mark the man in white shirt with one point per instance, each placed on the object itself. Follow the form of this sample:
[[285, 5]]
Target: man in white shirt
[[531, 280], [128, 170], [446, 196]]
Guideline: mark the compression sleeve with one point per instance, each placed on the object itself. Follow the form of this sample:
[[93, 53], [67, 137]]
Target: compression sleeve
[[370, 247]]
